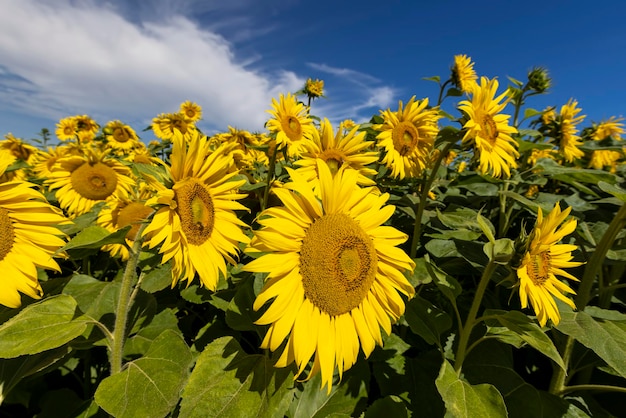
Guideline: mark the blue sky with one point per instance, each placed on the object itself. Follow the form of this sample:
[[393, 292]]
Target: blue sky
[[134, 59]]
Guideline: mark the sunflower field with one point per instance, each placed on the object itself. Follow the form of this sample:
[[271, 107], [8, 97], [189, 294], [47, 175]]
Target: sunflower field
[[459, 256]]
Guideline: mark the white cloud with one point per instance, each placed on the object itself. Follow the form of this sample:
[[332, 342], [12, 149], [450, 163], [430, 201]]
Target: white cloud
[[72, 57]]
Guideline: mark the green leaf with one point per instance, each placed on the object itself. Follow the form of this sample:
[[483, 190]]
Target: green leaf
[[446, 284], [140, 342], [573, 174], [41, 326], [528, 331], [434, 78], [614, 190], [95, 236], [464, 400], [149, 386], [487, 227], [530, 112], [427, 320], [454, 92], [157, 279], [390, 406], [83, 221], [500, 251], [607, 338], [240, 315], [228, 382]]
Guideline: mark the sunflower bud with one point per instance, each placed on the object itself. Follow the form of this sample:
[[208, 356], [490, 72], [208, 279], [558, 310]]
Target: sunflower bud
[[539, 80]]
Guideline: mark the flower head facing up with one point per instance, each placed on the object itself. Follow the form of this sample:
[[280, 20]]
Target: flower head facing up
[[195, 223], [291, 124], [408, 136], [489, 131], [543, 260], [463, 75], [334, 272], [29, 238]]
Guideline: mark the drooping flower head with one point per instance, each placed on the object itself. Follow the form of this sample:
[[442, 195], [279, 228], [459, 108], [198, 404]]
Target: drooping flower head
[[463, 75], [612, 128], [195, 223], [291, 124], [81, 181], [335, 272], [407, 137], [488, 130], [337, 150], [29, 238], [566, 131], [543, 261], [536, 154]]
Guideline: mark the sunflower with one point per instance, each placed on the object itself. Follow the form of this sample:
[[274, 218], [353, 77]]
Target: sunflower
[[489, 131], [120, 138], [408, 136], [165, 125], [569, 141], [544, 260], [463, 75], [86, 128], [45, 160], [612, 128], [338, 150], [15, 150], [291, 124], [604, 158], [196, 224], [67, 128], [536, 154], [29, 238], [314, 88], [120, 214], [244, 152], [82, 181], [191, 110], [334, 272]]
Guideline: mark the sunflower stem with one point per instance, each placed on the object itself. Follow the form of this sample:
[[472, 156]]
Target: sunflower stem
[[602, 388], [597, 258], [441, 89], [127, 293], [466, 330], [270, 177], [557, 383]]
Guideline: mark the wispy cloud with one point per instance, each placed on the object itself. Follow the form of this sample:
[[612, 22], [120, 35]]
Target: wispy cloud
[[87, 57]]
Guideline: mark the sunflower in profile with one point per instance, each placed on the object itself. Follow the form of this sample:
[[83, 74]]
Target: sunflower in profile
[[291, 124], [566, 131], [548, 116], [488, 130], [337, 150], [66, 129], [335, 272], [605, 158], [537, 154], [81, 181], [543, 261], [191, 110], [463, 75], [166, 125], [29, 238], [407, 137], [15, 150], [120, 138], [195, 222], [122, 213], [612, 128]]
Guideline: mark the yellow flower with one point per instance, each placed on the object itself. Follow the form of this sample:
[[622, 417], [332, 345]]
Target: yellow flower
[[348, 124], [16, 150], [449, 158], [196, 225], [45, 160], [338, 150], [120, 138], [612, 128], [86, 128], [191, 110], [314, 88], [544, 260], [67, 128], [604, 158], [566, 131], [548, 116], [243, 151], [334, 272], [407, 137], [537, 154], [463, 75], [82, 181], [29, 238], [291, 124], [489, 131], [166, 125]]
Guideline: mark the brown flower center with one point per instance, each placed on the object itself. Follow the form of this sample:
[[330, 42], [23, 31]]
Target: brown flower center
[[338, 264], [120, 134], [94, 181], [489, 129], [405, 138], [539, 267], [6, 232], [132, 214], [292, 128], [196, 211]]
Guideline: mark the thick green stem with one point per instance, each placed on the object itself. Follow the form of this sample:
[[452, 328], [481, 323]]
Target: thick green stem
[[417, 227], [466, 331], [601, 388], [558, 378], [270, 177], [441, 89], [592, 269], [124, 303]]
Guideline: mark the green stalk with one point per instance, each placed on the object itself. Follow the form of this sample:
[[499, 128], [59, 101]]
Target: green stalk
[[441, 89], [557, 383], [124, 303], [270, 177], [466, 331], [417, 227], [597, 258]]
